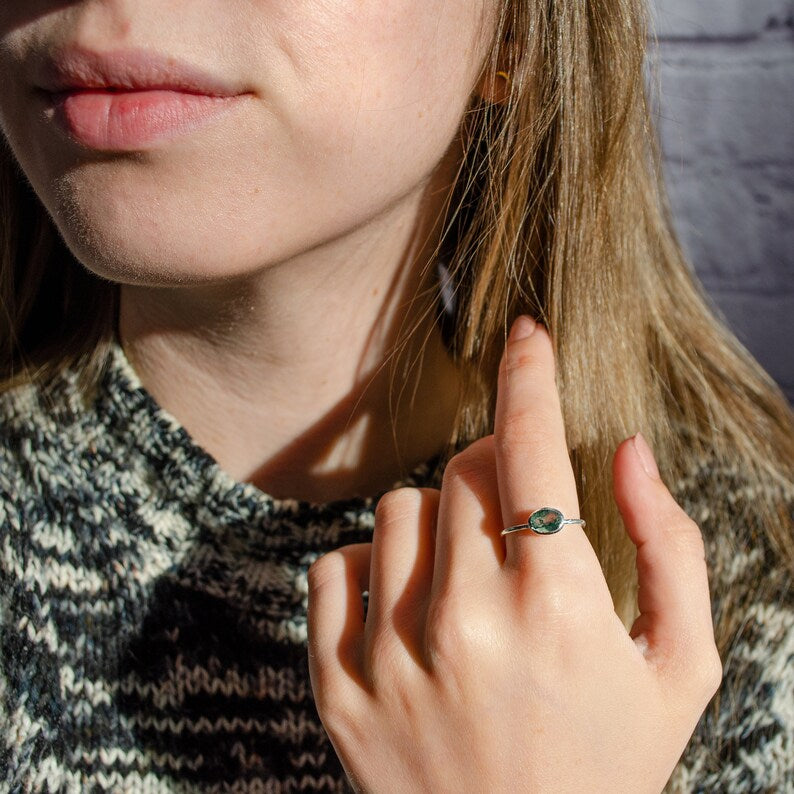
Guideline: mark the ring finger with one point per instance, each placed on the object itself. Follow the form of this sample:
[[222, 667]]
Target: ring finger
[[532, 463]]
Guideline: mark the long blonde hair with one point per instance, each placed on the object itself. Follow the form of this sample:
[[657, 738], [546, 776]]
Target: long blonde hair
[[558, 211]]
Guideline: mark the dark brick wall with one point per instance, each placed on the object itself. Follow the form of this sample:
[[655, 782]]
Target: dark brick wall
[[726, 117]]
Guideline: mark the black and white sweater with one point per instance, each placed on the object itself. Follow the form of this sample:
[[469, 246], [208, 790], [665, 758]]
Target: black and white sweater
[[153, 614]]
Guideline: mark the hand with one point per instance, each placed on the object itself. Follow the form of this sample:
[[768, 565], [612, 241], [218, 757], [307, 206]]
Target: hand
[[493, 663]]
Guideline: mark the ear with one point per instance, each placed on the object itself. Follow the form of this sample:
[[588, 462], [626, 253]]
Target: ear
[[495, 86], [500, 73]]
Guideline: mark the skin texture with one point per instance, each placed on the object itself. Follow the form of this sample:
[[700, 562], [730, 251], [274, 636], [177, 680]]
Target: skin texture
[[320, 192], [267, 262], [340, 95], [503, 654]]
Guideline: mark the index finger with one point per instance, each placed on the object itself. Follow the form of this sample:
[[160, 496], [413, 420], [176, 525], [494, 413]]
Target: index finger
[[532, 463]]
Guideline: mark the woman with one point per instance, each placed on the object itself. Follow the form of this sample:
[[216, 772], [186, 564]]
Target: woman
[[265, 272]]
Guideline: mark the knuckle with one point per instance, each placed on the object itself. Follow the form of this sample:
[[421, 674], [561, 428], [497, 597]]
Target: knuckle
[[467, 465], [397, 504], [696, 665], [708, 671], [518, 358], [457, 466], [688, 525], [340, 716], [519, 437], [324, 569], [684, 535], [448, 634]]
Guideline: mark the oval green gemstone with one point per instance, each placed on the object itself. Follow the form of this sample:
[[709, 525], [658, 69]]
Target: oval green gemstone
[[546, 521]]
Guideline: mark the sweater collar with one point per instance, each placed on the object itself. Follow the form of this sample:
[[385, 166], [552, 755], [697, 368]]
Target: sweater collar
[[190, 473]]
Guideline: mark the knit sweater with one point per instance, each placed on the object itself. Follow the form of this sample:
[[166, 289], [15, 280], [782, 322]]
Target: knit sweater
[[153, 613]]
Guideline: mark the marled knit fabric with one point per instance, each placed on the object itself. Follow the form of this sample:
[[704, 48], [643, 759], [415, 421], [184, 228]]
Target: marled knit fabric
[[154, 614]]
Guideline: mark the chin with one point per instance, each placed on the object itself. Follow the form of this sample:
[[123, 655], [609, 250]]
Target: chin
[[129, 244], [169, 260]]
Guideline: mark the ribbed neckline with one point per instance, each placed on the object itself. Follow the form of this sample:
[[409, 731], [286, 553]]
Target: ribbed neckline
[[190, 471]]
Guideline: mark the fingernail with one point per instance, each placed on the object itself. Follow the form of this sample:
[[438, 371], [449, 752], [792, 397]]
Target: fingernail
[[646, 456], [523, 326]]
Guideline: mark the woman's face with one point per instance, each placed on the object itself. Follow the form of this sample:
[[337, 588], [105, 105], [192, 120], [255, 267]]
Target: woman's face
[[342, 109]]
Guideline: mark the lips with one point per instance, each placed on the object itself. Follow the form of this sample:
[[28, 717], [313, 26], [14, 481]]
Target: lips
[[128, 69], [128, 99]]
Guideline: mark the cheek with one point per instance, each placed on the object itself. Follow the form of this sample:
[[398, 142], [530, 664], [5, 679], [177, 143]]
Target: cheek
[[380, 85]]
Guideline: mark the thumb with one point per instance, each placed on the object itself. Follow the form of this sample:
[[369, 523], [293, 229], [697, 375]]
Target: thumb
[[675, 624]]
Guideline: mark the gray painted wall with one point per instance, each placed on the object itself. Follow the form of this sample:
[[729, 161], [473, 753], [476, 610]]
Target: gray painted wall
[[726, 117]]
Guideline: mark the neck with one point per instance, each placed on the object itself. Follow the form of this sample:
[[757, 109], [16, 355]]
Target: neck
[[289, 377]]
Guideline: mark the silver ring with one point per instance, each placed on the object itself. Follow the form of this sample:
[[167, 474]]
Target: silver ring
[[545, 521]]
